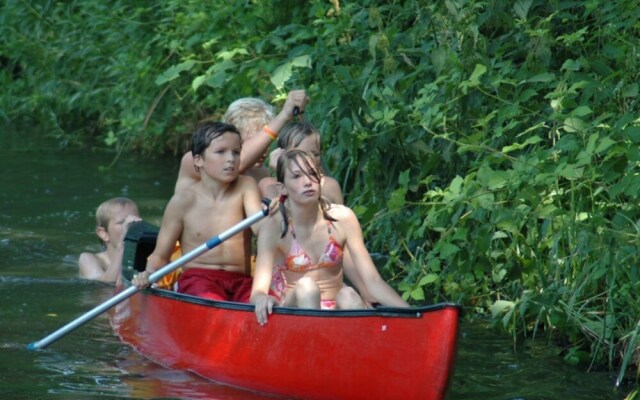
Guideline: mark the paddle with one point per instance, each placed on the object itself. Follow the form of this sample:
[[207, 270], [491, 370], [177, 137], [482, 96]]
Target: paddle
[[130, 291]]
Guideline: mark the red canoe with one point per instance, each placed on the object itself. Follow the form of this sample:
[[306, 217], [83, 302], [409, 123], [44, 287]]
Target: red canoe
[[386, 353]]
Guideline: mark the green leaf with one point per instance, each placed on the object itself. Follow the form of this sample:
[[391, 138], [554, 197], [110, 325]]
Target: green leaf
[[284, 71], [478, 71], [500, 306], [581, 111], [574, 124], [198, 81], [571, 171], [604, 144], [174, 72], [544, 77], [217, 80], [446, 249], [571, 65], [397, 199], [417, 294], [632, 133], [111, 139], [498, 276], [403, 179], [518, 146], [521, 8], [427, 279], [228, 55]]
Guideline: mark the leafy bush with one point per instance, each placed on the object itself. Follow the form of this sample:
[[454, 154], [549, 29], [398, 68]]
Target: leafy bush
[[489, 148]]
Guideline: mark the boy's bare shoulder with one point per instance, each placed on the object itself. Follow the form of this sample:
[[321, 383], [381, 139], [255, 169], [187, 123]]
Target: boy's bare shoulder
[[184, 197], [246, 183]]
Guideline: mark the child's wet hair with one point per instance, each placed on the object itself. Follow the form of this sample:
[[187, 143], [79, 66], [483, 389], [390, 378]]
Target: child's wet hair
[[303, 159], [105, 210], [294, 133], [207, 132]]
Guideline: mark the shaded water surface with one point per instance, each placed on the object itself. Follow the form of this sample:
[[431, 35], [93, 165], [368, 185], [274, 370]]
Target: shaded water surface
[[47, 202]]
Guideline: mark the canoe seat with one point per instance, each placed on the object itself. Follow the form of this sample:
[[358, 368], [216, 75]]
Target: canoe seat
[[139, 243]]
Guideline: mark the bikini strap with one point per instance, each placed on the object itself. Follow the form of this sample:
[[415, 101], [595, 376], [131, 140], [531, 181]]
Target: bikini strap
[[293, 233]]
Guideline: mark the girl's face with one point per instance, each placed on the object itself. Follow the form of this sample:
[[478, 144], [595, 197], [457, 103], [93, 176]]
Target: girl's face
[[300, 183], [310, 144]]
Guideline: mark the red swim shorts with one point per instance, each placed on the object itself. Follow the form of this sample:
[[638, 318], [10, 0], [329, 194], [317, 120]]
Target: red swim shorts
[[216, 285]]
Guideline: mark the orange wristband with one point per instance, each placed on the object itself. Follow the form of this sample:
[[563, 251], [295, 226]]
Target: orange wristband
[[273, 135]]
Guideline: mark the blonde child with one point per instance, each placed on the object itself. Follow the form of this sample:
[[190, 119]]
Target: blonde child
[[307, 239], [112, 220], [258, 127]]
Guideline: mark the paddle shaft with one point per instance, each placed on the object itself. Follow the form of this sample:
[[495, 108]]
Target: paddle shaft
[[130, 291]]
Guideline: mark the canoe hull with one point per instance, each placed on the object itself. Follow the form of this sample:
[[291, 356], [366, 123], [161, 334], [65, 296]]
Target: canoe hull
[[311, 354]]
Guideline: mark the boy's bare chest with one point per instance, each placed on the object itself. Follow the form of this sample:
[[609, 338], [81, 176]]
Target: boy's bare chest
[[211, 218]]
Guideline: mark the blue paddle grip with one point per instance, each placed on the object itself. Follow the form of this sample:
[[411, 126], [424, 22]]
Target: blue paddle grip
[[213, 242]]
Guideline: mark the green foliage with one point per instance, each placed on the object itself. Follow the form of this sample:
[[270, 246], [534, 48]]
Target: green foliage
[[490, 148]]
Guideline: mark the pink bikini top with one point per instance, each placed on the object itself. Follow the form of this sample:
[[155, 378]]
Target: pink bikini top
[[298, 261]]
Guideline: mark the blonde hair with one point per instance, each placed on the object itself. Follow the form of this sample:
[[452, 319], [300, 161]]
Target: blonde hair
[[249, 114], [105, 210]]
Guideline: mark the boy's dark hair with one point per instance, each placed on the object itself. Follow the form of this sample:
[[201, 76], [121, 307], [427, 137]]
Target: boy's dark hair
[[207, 132]]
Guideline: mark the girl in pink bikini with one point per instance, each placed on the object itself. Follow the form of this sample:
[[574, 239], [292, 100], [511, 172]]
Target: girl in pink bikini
[[306, 241]]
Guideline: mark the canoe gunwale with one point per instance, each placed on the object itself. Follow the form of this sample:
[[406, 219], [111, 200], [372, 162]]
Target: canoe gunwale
[[413, 312]]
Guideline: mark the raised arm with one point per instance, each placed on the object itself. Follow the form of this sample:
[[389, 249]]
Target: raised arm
[[254, 147], [187, 175]]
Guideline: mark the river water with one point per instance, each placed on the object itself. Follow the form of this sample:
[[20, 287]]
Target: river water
[[47, 201]]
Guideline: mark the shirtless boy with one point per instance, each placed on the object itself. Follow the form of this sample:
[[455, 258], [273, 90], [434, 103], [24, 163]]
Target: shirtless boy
[[219, 200]]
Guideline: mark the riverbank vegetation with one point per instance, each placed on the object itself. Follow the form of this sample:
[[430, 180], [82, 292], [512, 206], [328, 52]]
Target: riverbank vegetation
[[493, 144]]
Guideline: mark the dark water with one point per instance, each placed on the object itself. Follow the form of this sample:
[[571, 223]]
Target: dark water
[[47, 201]]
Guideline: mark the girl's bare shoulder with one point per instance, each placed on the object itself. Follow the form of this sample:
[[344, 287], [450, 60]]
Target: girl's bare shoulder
[[340, 211]]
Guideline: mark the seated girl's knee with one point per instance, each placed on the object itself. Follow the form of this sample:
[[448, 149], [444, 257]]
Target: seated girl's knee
[[307, 284], [348, 298], [307, 293]]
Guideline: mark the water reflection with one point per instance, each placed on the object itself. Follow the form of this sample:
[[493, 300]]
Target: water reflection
[[489, 367]]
